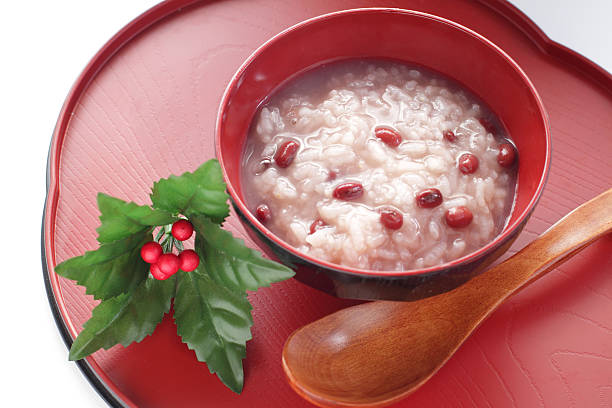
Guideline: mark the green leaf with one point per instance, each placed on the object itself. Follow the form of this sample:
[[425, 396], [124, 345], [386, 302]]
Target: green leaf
[[212, 312], [124, 319], [120, 219], [199, 193], [214, 322], [232, 264], [111, 270]]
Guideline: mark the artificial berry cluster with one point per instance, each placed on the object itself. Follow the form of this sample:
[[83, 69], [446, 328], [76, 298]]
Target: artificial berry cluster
[[164, 265]]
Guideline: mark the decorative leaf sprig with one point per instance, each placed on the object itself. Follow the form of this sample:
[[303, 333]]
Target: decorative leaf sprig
[[211, 309]]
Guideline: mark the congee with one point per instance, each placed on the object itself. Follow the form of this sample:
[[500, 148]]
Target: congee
[[379, 165]]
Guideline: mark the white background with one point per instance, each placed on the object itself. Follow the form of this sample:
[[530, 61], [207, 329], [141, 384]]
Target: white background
[[44, 44]]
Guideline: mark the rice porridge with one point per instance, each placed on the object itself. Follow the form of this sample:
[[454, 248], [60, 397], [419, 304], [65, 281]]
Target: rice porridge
[[378, 165]]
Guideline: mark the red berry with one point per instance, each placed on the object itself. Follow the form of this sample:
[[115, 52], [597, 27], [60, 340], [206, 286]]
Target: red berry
[[182, 230], [348, 191], [263, 213], [286, 153], [188, 260], [390, 137], [317, 225], [468, 163], [458, 217], [332, 175], [168, 264], [150, 252], [429, 198], [391, 219], [486, 123], [157, 273], [506, 155], [449, 135]]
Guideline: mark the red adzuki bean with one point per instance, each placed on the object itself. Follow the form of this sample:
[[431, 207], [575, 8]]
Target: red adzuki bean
[[391, 219], [348, 191], [506, 155], [429, 198], [286, 153], [449, 135], [458, 217], [468, 163], [263, 213], [317, 225], [390, 137]]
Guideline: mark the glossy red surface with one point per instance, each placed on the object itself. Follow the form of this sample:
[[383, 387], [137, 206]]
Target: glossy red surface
[[150, 98], [442, 46]]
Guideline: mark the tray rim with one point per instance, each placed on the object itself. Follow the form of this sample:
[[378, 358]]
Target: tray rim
[[90, 369]]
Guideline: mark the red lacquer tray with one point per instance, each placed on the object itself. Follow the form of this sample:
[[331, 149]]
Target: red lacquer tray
[[145, 108]]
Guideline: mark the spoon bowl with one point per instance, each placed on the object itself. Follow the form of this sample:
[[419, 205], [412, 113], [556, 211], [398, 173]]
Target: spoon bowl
[[377, 353]]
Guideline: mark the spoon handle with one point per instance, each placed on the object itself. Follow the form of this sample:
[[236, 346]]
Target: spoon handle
[[561, 241]]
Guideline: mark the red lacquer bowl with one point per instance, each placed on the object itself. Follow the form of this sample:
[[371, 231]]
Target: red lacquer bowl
[[417, 38]]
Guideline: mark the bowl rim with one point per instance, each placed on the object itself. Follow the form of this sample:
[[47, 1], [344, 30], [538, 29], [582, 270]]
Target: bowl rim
[[506, 233]]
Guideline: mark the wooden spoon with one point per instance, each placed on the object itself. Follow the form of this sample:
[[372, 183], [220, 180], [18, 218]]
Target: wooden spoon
[[377, 353]]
